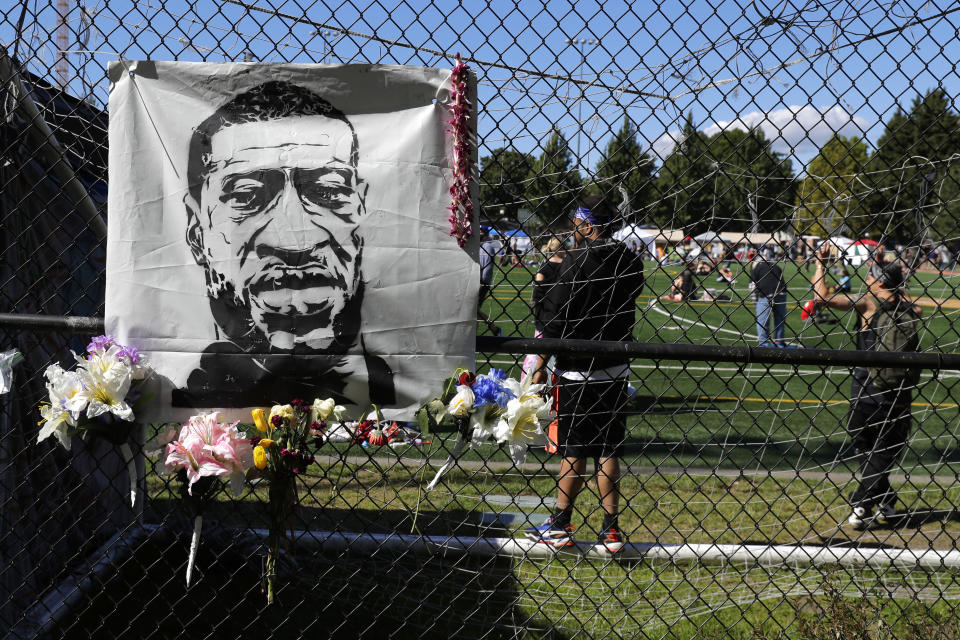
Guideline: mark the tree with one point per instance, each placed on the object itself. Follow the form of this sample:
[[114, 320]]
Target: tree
[[504, 176], [915, 190], [831, 195], [750, 178], [624, 164], [555, 186], [683, 189]]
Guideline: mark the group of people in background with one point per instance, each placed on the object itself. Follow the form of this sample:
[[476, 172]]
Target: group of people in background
[[588, 291]]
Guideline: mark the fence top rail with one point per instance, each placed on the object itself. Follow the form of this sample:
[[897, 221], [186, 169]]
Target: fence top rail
[[719, 353], [633, 350]]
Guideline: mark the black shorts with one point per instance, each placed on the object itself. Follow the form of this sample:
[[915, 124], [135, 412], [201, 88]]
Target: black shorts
[[484, 292], [590, 419]]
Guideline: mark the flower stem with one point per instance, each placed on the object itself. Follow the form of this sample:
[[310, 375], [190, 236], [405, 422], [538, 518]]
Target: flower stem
[[194, 543], [131, 472]]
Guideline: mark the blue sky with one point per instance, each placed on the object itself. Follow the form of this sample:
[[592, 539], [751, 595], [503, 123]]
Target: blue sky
[[668, 51]]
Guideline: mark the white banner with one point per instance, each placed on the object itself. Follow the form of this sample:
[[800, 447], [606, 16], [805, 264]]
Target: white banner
[[279, 231]]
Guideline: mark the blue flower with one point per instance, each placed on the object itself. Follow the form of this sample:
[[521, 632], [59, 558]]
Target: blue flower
[[488, 390]]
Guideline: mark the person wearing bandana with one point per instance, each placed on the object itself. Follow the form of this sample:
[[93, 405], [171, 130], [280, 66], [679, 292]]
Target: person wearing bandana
[[597, 286]]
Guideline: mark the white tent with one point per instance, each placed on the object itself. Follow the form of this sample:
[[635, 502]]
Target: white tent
[[841, 241], [738, 238], [709, 237], [857, 253], [637, 239]]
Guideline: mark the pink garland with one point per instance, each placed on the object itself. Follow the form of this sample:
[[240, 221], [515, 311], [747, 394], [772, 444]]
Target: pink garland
[[461, 207]]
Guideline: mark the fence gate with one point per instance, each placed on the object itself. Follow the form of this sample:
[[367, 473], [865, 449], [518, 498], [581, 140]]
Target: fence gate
[[774, 166]]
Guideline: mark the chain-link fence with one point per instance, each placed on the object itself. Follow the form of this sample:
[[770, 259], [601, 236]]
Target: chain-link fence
[[785, 178]]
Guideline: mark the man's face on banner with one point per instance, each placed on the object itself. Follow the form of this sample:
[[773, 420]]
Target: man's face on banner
[[279, 212]]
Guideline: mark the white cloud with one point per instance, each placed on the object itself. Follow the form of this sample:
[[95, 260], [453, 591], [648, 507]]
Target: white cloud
[[795, 130]]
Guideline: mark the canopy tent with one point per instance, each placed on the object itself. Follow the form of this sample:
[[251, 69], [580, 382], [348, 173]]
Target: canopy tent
[[637, 239], [518, 240], [738, 238], [709, 237], [666, 236], [860, 251]]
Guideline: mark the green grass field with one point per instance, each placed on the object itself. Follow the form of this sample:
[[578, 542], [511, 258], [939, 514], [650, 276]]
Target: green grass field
[[754, 416], [716, 453]]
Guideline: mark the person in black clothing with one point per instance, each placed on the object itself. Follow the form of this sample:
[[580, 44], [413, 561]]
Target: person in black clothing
[[542, 302], [596, 294], [879, 419], [770, 292]]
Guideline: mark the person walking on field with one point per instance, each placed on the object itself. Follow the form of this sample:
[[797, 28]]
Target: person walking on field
[[489, 248], [598, 283], [879, 419], [770, 291]]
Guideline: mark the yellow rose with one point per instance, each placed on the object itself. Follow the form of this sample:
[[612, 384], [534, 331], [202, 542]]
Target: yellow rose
[[285, 411], [259, 457], [260, 419], [266, 442]]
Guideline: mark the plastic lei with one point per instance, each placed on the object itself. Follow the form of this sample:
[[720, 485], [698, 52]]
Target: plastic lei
[[461, 206]]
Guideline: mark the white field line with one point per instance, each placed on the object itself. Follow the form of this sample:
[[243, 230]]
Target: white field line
[[652, 305]]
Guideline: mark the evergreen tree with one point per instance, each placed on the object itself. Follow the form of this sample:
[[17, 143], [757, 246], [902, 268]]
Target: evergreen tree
[[915, 190], [624, 164], [555, 186], [504, 176], [749, 176], [831, 195], [684, 186]]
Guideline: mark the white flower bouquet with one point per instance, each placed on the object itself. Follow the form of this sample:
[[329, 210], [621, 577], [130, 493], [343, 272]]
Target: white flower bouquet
[[494, 406], [95, 399]]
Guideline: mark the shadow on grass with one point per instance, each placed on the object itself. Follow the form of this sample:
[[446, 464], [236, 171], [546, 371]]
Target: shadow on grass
[[319, 593]]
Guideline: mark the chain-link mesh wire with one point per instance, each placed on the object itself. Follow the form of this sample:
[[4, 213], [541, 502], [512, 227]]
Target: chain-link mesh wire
[[779, 171]]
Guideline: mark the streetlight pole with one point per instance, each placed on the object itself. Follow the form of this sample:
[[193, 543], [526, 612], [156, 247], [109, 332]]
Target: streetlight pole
[[327, 46], [581, 44]]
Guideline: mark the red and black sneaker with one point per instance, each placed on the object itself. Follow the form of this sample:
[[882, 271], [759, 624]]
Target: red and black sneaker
[[610, 540]]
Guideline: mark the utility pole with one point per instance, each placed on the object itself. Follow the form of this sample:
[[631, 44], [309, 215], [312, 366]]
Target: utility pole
[[62, 64], [581, 44], [926, 181]]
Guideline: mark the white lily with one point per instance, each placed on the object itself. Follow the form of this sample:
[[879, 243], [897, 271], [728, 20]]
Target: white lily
[[106, 381], [483, 421], [55, 423], [523, 390], [521, 418], [66, 403]]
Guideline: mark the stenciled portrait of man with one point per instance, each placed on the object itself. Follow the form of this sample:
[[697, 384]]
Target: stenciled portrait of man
[[280, 231], [273, 208]]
